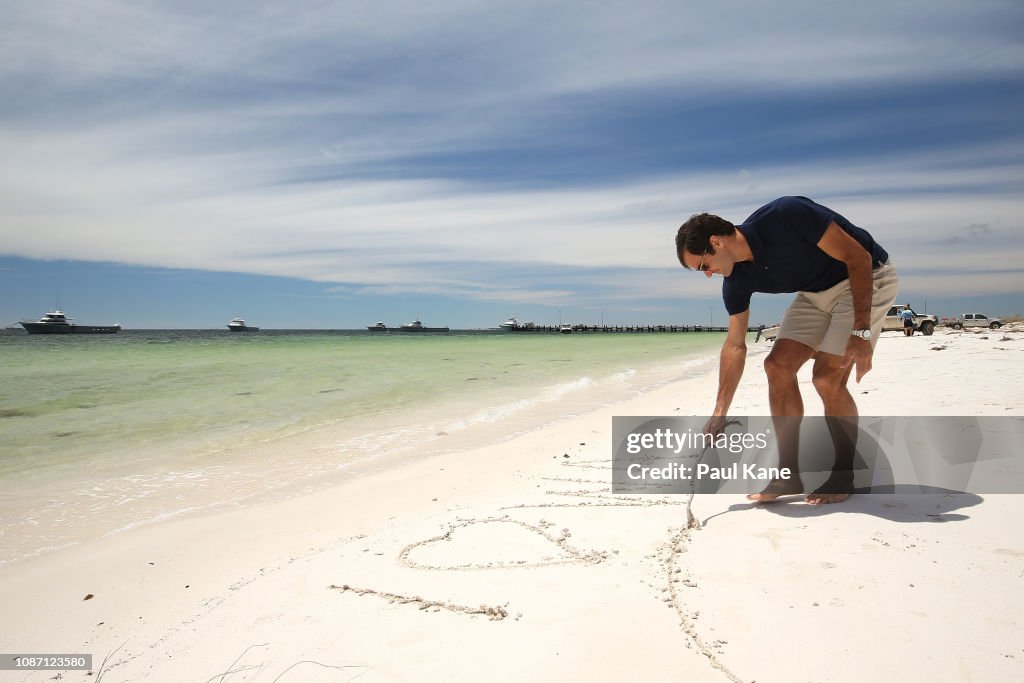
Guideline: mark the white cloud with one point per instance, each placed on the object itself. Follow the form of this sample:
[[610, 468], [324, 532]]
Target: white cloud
[[389, 235], [523, 45], [145, 134]]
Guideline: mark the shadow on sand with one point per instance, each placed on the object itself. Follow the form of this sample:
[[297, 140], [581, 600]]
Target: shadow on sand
[[904, 504]]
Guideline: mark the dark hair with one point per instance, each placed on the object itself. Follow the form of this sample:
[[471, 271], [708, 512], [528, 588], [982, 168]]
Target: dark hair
[[695, 234]]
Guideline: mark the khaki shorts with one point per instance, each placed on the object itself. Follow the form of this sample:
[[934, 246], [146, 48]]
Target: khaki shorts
[[823, 320]]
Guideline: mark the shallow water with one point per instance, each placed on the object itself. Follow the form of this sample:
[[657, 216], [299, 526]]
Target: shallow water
[[102, 433]]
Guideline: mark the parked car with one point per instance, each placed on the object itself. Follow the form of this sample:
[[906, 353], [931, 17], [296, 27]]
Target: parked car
[[925, 324], [974, 320], [770, 333]]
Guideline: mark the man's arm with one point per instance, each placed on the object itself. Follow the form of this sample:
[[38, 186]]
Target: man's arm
[[730, 369], [840, 246]]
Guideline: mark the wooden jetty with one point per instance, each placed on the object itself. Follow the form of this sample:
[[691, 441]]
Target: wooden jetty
[[635, 329]]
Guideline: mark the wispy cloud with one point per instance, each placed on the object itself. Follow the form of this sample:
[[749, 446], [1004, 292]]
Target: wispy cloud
[[505, 151], [969, 235]]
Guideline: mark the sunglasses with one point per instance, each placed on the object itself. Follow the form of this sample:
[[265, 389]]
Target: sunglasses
[[702, 268]]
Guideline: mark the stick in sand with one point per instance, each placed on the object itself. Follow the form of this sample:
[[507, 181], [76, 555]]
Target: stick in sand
[[691, 521]]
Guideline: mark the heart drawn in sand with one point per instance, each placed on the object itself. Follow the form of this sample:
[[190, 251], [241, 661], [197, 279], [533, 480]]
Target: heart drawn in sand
[[495, 543]]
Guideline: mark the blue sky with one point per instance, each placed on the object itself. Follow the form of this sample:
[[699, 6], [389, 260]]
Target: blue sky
[[329, 164]]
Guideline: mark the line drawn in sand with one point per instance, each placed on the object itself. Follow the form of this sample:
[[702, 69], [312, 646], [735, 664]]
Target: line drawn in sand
[[492, 613], [670, 551], [567, 480], [587, 464], [602, 497], [599, 498]]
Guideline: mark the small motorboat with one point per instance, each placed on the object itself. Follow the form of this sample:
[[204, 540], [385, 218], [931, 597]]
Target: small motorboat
[[238, 325]]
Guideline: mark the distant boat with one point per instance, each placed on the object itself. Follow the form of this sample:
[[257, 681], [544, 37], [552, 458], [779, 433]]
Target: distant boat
[[417, 326], [55, 322], [565, 329], [238, 325], [414, 326], [513, 325]]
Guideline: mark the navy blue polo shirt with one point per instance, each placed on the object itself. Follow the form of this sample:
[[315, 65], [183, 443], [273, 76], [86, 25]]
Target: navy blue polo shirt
[[783, 236]]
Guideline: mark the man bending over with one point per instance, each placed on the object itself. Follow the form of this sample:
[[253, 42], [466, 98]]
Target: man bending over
[[845, 284]]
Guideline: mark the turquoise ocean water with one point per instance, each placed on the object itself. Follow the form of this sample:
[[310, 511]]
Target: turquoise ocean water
[[105, 433]]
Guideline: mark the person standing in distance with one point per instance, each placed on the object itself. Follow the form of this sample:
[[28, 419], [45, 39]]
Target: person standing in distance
[[908, 321], [844, 285]]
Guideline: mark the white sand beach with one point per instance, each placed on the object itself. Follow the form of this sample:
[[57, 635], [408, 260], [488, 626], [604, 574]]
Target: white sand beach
[[513, 561]]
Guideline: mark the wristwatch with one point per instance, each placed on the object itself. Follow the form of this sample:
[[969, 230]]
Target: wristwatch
[[863, 334]]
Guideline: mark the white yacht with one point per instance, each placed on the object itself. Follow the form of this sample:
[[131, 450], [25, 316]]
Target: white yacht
[[417, 326], [238, 325], [55, 322]]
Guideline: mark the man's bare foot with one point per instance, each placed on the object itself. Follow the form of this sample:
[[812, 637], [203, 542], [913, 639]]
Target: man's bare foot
[[826, 498], [837, 488], [777, 488]]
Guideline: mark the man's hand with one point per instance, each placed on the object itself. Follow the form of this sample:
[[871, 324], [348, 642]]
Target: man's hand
[[859, 352], [716, 425]]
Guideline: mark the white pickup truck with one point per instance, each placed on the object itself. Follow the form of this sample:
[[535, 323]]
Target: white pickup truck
[[925, 324], [974, 320]]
